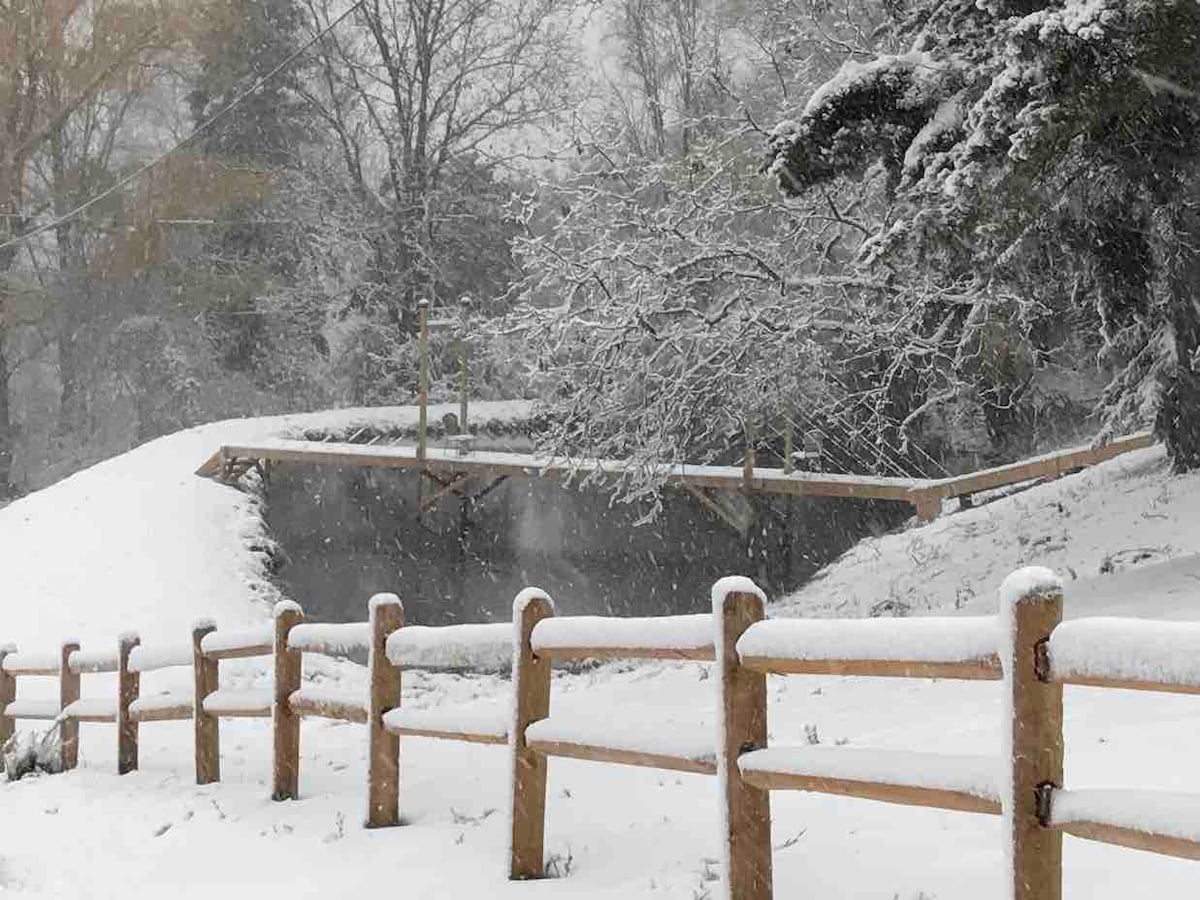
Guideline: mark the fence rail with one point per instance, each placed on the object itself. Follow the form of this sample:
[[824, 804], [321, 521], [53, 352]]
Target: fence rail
[[1027, 645]]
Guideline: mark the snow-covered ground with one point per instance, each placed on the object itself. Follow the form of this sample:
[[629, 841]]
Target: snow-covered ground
[[1125, 536], [139, 542], [163, 547]]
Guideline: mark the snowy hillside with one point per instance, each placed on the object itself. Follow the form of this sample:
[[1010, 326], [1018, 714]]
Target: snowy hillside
[[613, 832], [139, 541], [1125, 536]]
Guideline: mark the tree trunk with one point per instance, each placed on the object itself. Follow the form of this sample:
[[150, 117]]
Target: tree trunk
[[1178, 420], [5, 428]]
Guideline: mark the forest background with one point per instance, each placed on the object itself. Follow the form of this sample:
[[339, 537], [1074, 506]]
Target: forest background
[[927, 234]]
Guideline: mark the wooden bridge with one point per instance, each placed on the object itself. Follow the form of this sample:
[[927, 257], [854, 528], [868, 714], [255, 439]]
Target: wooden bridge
[[452, 469]]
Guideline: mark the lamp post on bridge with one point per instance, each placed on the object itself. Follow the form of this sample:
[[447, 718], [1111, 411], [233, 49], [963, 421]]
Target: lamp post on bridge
[[461, 329], [422, 375]]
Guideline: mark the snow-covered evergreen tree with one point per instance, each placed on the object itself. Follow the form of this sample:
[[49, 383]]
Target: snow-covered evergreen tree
[[1042, 162]]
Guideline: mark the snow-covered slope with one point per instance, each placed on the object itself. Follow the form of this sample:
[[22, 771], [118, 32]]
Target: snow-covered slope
[[139, 542], [1125, 536], [613, 832]]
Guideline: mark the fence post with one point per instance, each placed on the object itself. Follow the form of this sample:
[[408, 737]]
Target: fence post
[[383, 747], [68, 693], [128, 684], [746, 841], [531, 702], [286, 724], [8, 693], [1031, 608], [207, 729]]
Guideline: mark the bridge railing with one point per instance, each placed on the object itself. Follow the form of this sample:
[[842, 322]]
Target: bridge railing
[[925, 495], [1027, 647]]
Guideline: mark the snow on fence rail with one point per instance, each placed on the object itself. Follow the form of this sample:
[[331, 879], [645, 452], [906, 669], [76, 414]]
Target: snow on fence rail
[[1036, 652], [1127, 653], [960, 647], [15, 666], [483, 648], [92, 662], [478, 648], [164, 706], [677, 747], [30, 663], [244, 643], [600, 637]]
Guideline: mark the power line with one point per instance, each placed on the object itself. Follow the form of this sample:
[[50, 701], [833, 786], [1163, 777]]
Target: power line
[[183, 142]]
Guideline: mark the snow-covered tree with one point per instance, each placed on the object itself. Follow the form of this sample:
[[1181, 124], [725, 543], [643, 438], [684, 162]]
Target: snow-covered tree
[[680, 309], [1041, 157]]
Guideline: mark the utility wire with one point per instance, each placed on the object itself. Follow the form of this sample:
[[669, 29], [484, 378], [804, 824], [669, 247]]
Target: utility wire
[[183, 142]]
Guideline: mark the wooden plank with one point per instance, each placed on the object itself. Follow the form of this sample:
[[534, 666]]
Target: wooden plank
[[694, 654], [177, 713], [746, 821], [531, 687], [1165, 845], [241, 714], [920, 492], [1126, 684], [495, 465], [1036, 744], [386, 615], [248, 651], [738, 524], [207, 730], [996, 478], [128, 685], [211, 466], [8, 693], [796, 484], [289, 668], [986, 669], [31, 714], [465, 737], [455, 485], [596, 753], [68, 693], [341, 710], [94, 718], [905, 795], [92, 663], [1049, 466], [32, 670]]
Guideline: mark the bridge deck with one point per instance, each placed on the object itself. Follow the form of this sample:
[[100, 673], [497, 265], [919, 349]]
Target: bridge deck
[[924, 494], [493, 464]]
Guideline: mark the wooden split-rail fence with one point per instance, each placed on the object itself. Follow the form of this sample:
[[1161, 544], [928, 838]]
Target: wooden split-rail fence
[[1027, 646]]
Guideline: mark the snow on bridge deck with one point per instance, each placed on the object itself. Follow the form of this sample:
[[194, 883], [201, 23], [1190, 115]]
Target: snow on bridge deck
[[496, 464], [923, 493]]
